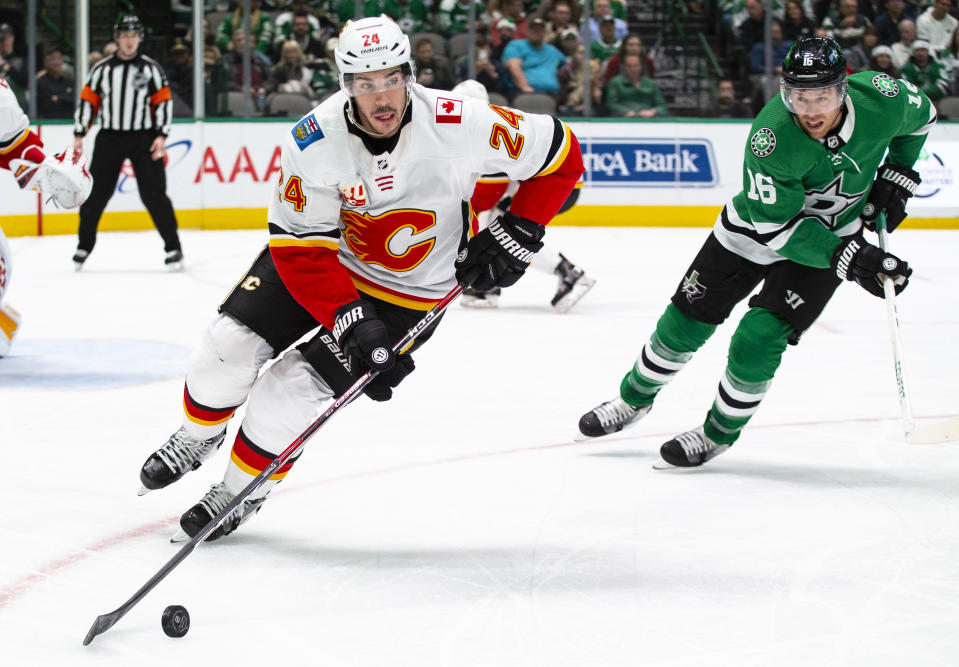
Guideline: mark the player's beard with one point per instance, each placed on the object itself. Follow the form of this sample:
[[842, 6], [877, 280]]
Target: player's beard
[[373, 125]]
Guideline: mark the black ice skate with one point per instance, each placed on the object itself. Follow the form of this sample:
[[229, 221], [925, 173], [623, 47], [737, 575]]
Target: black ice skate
[[573, 285], [610, 417], [690, 449], [211, 504], [474, 298], [174, 260], [178, 456], [79, 257]]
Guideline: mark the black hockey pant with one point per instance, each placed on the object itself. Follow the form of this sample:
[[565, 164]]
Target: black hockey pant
[[111, 148]]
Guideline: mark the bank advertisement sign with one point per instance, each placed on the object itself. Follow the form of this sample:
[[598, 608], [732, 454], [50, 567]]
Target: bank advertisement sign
[[649, 162]]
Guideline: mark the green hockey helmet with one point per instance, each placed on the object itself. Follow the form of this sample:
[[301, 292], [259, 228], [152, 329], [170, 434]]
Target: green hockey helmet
[[813, 76]]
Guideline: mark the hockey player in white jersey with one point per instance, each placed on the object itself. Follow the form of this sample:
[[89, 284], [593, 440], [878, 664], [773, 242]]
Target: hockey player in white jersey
[[62, 177], [491, 198], [370, 214]]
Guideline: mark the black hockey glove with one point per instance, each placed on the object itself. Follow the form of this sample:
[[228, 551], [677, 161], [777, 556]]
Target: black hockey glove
[[498, 255], [380, 387], [857, 260], [364, 340], [894, 184]]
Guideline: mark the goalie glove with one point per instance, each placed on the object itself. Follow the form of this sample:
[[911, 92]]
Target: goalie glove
[[893, 186], [500, 254], [62, 178], [867, 265]]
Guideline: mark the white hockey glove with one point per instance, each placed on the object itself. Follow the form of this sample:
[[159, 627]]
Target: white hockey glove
[[62, 177]]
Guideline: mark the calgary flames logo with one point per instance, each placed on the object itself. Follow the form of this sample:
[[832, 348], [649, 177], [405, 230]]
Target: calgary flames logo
[[390, 239]]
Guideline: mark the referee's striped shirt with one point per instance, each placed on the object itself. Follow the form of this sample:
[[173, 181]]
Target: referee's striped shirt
[[128, 94]]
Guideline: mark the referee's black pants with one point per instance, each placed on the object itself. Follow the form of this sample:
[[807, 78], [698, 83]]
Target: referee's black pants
[[110, 149]]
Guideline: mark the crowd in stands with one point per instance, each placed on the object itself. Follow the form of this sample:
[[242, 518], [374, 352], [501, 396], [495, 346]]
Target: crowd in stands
[[547, 48]]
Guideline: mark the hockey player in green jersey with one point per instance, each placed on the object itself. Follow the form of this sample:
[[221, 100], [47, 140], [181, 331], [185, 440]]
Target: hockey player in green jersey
[[813, 175]]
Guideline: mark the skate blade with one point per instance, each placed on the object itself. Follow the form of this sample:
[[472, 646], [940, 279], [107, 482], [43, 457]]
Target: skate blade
[[582, 286], [143, 490], [78, 266], [175, 267], [662, 465], [179, 536], [479, 303]]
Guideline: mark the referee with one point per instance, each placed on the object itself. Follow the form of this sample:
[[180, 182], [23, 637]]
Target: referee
[[130, 93]]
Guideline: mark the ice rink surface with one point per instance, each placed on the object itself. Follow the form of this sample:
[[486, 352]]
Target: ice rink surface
[[460, 524]]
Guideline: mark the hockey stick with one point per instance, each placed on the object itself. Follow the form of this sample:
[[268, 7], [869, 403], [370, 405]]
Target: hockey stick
[[104, 622], [944, 431], [895, 333]]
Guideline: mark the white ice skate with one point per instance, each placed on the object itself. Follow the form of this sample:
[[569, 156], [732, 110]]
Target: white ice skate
[[612, 416], [212, 503], [573, 285], [690, 449]]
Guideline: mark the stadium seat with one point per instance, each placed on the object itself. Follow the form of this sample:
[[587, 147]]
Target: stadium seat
[[291, 105], [236, 104], [439, 42], [458, 45], [498, 100], [949, 107], [535, 103]]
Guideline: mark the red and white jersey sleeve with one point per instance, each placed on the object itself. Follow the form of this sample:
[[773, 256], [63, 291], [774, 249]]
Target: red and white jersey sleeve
[[390, 225], [17, 141]]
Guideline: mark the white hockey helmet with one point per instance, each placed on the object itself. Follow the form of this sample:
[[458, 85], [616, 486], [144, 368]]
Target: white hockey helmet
[[372, 44], [471, 88]]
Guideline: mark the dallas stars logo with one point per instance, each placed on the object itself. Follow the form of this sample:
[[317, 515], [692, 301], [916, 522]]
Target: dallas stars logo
[[886, 85], [763, 142], [827, 204]]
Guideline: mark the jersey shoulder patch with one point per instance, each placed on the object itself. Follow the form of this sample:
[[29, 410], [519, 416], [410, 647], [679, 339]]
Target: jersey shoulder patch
[[886, 85], [763, 142], [449, 110], [306, 132]]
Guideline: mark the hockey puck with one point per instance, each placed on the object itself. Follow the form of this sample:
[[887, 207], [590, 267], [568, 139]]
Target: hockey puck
[[175, 621]]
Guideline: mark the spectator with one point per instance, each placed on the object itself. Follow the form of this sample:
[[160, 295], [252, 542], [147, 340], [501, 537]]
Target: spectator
[[94, 58], [752, 27], [936, 25], [54, 89], [925, 72], [300, 31], [290, 74], [259, 67], [632, 43], [632, 95], [560, 20], [179, 74], [887, 22], [260, 26], [780, 47], [857, 56], [13, 68], [216, 82], [489, 71], [848, 25], [512, 10], [796, 23], [881, 61], [572, 84], [506, 29], [109, 49], [607, 45], [283, 23], [950, 61], [454, 15], [432, 71], [325, 78], [725, 104], [568, 42], [902, 50], [602, 8], [532, 63]]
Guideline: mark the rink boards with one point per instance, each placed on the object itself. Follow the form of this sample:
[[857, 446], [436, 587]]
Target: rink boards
[[220, 175]]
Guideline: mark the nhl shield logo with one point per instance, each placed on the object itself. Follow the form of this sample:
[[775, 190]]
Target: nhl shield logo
[[763, 142]]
